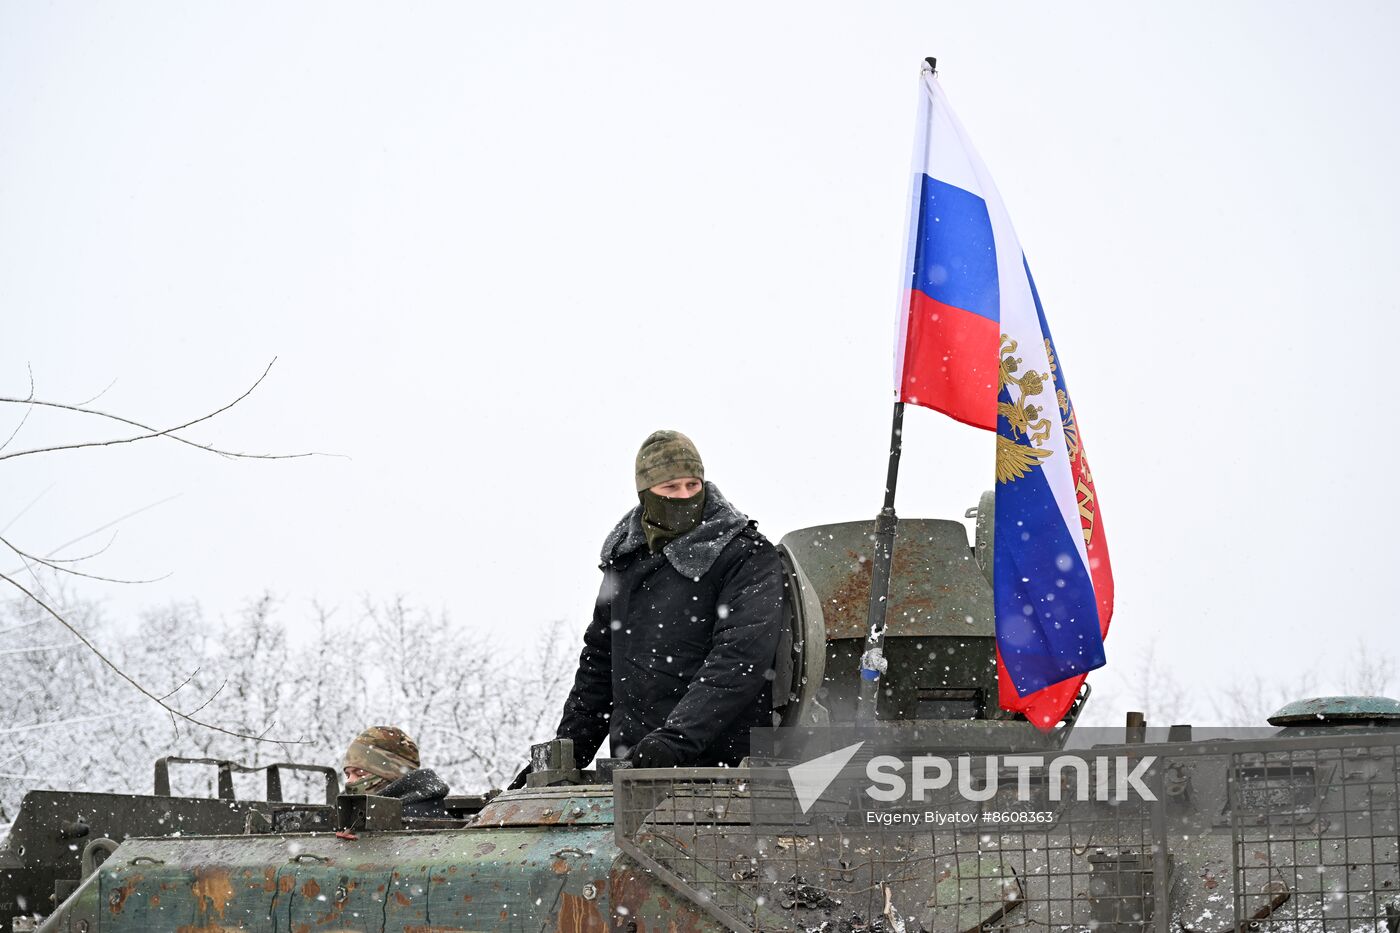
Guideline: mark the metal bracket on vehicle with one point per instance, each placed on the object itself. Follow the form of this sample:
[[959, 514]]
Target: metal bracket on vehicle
[[367, 813]]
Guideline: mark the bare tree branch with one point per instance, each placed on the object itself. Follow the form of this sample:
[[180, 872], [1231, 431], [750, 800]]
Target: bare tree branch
[[181, 685], [36, 648], [1369, 672], [116, 521], [27, 411], [78, 560], [99, 530], [211, 699], [150, 431], [16, 628], [32, 502], [49, 725], [77, 573], [87, 402], [124, 676]]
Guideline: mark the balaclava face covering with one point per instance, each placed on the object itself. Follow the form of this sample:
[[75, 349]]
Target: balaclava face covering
[[665, 456], [664, 519]]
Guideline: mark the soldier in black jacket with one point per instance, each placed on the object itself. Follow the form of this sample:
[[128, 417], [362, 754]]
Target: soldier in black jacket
[[678, 662]]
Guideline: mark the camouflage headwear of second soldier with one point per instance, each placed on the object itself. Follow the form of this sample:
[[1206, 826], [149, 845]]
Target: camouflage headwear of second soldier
[[667, 455], [386, 752]]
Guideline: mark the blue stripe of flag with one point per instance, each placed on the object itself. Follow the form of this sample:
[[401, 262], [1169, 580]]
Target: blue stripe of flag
[[955, 254], [1047, 616]]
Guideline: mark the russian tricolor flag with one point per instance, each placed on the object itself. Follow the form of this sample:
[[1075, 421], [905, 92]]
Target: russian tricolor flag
[[973, 343]]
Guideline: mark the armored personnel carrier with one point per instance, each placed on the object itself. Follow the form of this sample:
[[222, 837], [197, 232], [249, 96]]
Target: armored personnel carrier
[[946, 814]]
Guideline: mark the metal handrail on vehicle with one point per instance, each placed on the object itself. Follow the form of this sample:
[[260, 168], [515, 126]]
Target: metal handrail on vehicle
[[227, 769]]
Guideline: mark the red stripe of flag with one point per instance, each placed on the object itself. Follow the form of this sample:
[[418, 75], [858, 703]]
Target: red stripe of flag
[[950, 362]]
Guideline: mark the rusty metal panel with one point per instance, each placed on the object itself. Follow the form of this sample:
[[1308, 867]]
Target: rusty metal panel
[[557, 877], [936, 587], [589, 805], [43, 848]]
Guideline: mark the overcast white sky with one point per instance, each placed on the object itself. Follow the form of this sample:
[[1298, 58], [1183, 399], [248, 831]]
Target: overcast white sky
[[494, 246]]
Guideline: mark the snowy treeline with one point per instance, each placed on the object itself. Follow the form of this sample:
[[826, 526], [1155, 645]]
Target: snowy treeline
[[68, 721], [1169, 695]]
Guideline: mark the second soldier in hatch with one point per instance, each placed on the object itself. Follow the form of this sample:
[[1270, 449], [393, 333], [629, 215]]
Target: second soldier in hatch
[[383, 761], [677, 664]]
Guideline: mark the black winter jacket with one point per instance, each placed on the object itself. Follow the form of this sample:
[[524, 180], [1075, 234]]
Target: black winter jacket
[[682, 643], [422, 793]]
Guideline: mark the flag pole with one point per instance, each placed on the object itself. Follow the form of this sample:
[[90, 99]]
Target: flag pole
[[872, 660]]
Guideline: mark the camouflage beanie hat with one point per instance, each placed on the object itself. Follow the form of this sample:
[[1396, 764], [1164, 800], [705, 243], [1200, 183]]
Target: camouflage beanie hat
[[383, 751], [667, 455]]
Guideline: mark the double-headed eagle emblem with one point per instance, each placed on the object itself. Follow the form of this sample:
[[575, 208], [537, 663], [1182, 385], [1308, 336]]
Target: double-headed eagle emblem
[[1017, 448], [1016, 457]]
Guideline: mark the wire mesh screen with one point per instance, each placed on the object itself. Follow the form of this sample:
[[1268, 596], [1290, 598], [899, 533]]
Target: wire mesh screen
[[1315, 838], [739, 844], [1241, 836]]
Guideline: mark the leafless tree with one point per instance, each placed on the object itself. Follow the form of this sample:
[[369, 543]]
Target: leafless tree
[[1370, 672], [33, 563], [473, 709], [1250, 701], [89, 705], [1149, 686]]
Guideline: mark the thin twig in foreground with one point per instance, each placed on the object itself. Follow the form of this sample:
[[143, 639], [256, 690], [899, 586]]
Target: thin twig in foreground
[[27, 411], [77, 573], [150, 431], [127, 677]]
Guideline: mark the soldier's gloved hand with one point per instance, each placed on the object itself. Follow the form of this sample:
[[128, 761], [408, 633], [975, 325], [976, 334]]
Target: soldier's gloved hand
[[519, 781], [654, 752]]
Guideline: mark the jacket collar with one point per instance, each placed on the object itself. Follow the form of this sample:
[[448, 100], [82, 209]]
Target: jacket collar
[[415, 786], [693, 553]]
